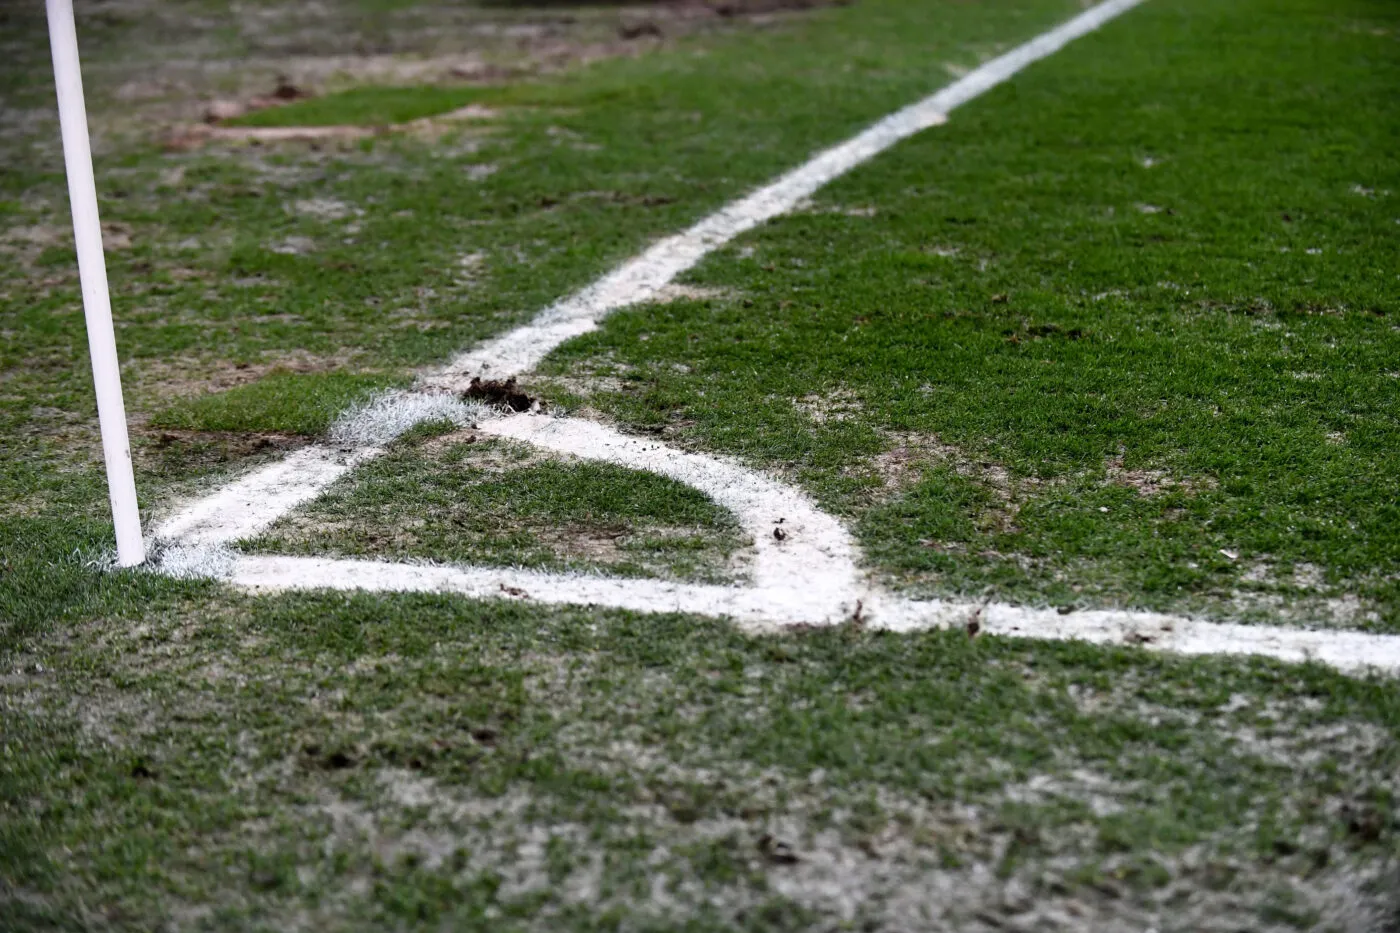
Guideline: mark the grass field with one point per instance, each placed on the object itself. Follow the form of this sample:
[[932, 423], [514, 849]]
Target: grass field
[[1121, 335]]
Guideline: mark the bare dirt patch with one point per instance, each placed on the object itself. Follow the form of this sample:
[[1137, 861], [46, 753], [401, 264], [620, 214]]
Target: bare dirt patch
[[499, 392], [184, 139], [1150, 482], [181, 451], [183, 377]]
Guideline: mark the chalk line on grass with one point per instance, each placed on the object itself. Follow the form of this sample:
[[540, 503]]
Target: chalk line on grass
[[640, 279], [807, 573], [259, 498], [775, 609], [249, 504], [796, 544]]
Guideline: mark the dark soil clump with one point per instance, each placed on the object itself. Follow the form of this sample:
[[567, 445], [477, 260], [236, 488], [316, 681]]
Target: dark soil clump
[[498, 392]]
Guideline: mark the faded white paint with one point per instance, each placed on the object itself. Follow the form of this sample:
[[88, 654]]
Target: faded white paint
[[806, 574]]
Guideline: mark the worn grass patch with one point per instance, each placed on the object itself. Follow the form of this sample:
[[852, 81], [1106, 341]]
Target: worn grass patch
[[287, 402], [361, 761]]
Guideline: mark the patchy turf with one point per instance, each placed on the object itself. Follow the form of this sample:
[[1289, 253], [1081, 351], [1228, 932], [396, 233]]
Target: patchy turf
[[373, 106], [358, 762], [1072, 298], [280, 401]]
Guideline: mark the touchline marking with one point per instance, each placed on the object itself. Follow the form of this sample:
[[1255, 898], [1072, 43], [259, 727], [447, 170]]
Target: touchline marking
[[807, 575]]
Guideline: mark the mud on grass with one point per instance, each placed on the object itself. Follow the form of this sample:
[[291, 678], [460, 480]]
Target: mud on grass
[[464, 498], [352, 762]]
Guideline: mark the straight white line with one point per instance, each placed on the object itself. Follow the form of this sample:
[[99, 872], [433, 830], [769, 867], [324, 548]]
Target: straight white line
[[249, 504], [766, 610], [639, 280]]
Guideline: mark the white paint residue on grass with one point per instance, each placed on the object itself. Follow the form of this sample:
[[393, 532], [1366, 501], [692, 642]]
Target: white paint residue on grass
[[381, 419], [806, 564]]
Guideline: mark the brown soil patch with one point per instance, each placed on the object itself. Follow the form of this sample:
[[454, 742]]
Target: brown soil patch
[[911, 453], [498, 392], [187, 138], [187, 376], [181, 451]]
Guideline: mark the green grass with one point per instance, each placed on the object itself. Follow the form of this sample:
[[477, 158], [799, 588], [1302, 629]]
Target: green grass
[[969, 348], [482, 501], [281, 401], [372, 106]]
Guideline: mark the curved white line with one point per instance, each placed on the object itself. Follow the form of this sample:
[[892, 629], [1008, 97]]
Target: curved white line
[[810, 576], [797, 545], [263, 496]]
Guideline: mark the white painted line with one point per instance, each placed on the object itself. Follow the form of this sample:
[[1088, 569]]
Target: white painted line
[[639, 280], [249, 504], [298, 573], [796, 544], [255, 501], [809, 577], [767, 610], [1151, 631]]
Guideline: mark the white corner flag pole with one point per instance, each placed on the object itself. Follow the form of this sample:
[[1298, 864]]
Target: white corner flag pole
[[92, 270]]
